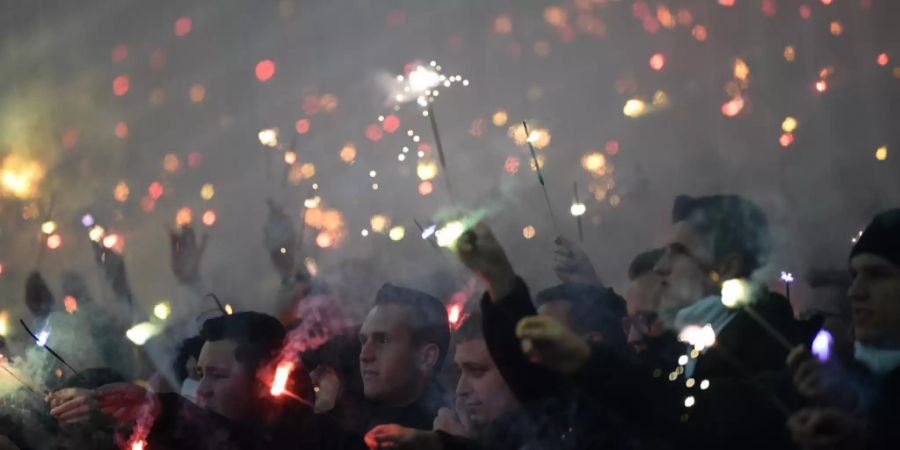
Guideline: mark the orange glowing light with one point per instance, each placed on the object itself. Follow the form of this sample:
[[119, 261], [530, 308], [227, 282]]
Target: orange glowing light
[[503, 24], [789, 53], [183, 217], [121, 130], [836, 28], [726, 3], [426, 188], [71, 304], [111, 240], [139, 444], [786, 139], [54, 241], [821, 85], [699, 32], [183, 26], [121, 191], [883, 59], [209, 218], [290, 157], [657, 61], [197, 93], [324, 240], [302, 126], [265, 70], [328, 102], [282, 372], [348, 152], [453, 314], [594, 163], [554, 15], [733, 107], [120, 85], [171, 163]]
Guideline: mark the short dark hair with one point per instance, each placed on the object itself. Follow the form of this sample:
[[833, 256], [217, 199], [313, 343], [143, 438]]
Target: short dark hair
[[190, 347], [259, 337], [728, 224], [644, 263], [594, 309], [470, 329], [428, 317]]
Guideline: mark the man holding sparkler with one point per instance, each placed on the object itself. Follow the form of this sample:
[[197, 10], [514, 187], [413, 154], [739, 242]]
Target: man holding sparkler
[[859, 402]]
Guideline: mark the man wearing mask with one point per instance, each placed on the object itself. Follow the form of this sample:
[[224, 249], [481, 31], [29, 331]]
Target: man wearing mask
[[859, 400]]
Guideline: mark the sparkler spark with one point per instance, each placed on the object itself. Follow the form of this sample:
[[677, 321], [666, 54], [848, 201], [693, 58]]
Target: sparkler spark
[[821, 345], [787, 277], [735, 292], [281, 377], [698, 337], [453, 314], [142, 332]]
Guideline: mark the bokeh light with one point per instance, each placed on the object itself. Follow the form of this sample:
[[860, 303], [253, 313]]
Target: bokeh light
[[209, 218], [171, 164], [183, 26], [348, 153], [302, 126], [121, 191], [265, 70], [183, 217], [528, 232], [657, 61], [121, 84], [207, 191], [397, 233], [881, 153], [54, 241], [426, 188]]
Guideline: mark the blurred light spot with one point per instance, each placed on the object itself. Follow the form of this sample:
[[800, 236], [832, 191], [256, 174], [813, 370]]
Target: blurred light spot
[[119, 53], [615, 200], [657, 61], [141, 333], [290, 157], [660, 98], [209, 218], [120, 85], [768, 7], [348, 152], [836, 28], [207, 191], [634, 108], [302, 126], [374, 132], [54, 241], [87, 220], [324, 240], [70, 138], [499, 118], [786, 139], [48, 227], [197, 93], [148, 203], [726, 3], [789, 53], [503, 24], [528, 232], [379, 223], [425, 188], [162, 310], [183, 217], [685, 17], [821, 86], [689, 401], [183, 26], [265, 70], [391, 123], [612, 147], [664, 16], [594, 162], [310, 105], [397, 233], [426, 170], [511, 166], [70, 304], [121, 191], [881, 153], [699, 32], [789, 124], [883, 59], [805, 11], [577, 209], [268, 137], [96, 233], [733, 107], [194, 159], [372, 174], [171, 163], [121, 130], [741, 69]]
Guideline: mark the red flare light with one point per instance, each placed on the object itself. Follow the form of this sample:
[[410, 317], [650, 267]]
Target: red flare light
[[139, 444], [453, 314], [281, 377]]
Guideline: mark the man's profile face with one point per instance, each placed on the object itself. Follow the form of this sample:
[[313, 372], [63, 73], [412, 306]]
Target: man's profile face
[[875, 300], [684, 270], [225, 386], [387, 355]]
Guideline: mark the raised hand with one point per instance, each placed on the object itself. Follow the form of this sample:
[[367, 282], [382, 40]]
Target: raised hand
[[126, 402], [480, 251], [548, 342], [823, 382], [72, 405], [572, 264], [280, 240], [186, 254]]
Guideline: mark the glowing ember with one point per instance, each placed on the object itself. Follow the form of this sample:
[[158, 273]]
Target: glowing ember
[[324, 240], [281, 377], [657, 61], [821, 345], [183, 217], [453, 314], [821, 85], [786, 139], [19, 177], [71, 304], [528, 232], [228, 309], [594, 163], [138, 445]]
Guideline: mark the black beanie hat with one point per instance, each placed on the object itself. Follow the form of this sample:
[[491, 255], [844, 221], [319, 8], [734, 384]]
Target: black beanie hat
[[881, 237]]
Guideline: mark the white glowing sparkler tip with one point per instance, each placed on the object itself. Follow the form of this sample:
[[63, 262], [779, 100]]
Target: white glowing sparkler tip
[[429, 231], [821, 345], [142, 332], [422, 79], [787, 277], [735, 292], [281, 377], [43, 337], [698, 337], [578, 209], [449, 233]]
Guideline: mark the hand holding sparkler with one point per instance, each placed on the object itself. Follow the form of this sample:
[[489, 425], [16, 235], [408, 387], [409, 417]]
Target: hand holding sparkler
[[126, 402], [821, 381], [546, 341], [186, 254], [399, 437], [572, 264], [479, 250]]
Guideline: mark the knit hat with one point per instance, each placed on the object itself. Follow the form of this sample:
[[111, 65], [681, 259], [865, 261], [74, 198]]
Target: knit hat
[[881, 237]]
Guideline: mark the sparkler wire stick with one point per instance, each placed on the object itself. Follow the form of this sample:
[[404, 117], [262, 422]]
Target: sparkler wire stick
[[218, 302], [540, 175], [768, 327], [22, 382], [47, 347], [440, 150]]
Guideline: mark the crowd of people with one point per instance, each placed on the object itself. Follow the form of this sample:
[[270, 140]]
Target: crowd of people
[[667, 365]]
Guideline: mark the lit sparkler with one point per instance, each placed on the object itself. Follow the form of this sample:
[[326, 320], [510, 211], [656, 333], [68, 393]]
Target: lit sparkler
[[736, 294], [142, 332], [698, 337], [282, 372], [578, 209], [540, 174], [788, 278], [41, 341], [821, 345]]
